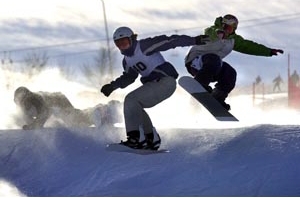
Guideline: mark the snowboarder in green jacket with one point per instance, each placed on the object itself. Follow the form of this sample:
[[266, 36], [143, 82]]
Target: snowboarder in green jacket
[[204, 62]]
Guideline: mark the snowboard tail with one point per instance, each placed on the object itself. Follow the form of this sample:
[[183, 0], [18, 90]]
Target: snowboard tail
[[205, 98]]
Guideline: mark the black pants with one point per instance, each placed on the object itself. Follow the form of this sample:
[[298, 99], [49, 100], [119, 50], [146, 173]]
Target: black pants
[[214, 70]]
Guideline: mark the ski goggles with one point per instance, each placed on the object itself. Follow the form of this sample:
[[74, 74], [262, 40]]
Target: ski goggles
[[123, 43], [227, 28]]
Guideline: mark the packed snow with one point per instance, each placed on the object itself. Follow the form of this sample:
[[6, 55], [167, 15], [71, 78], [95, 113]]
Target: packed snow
[[261, 160], [257, 156]]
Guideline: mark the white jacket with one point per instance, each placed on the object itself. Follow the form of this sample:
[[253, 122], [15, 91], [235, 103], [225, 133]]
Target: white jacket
[[220, 47]]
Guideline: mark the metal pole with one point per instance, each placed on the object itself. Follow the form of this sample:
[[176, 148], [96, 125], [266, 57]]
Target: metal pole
[[107, 39], [289, 83]]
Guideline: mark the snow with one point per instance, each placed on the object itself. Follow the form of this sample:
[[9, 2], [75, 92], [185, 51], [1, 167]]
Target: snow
[[261, 160], [258, 156]]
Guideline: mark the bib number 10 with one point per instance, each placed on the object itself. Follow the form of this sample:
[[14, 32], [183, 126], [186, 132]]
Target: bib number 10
[[139, 67]]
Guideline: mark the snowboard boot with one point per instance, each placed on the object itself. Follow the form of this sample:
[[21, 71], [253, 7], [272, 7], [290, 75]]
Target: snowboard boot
[[135, 140], [220, 96], [204, 85], [153, 140], [208, 88]]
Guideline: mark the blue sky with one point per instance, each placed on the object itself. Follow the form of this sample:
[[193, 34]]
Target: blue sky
[[63, 28]]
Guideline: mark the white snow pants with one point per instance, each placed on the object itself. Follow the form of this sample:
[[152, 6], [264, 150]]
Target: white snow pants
[[146, 96]]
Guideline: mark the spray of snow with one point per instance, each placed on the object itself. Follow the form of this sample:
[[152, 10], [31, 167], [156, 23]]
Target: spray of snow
[[206, 153], [8, 190], [179, 111]]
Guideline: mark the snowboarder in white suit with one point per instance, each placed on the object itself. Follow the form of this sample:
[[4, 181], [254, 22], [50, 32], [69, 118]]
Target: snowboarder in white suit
[[157, 76]]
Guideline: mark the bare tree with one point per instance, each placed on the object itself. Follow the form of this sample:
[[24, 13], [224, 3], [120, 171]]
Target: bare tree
[[36, 61], [100, 72], [102, 62], [65, 70]]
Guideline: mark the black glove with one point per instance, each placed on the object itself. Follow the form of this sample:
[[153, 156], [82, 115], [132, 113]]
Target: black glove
[[218, 21], [201, 39], [275, 51], [31, 126], [107, 89], [26, 127]]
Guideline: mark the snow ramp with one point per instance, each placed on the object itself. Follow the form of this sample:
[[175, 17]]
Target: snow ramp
[[261, 160]]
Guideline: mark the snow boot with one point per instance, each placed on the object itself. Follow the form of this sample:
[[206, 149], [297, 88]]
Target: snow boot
[[220, 96], [153, 140], [135, 139]]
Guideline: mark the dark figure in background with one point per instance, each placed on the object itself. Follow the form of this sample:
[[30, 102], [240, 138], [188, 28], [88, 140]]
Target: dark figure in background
[[277, 81], [38, 107], [257, 80], [295, 78]]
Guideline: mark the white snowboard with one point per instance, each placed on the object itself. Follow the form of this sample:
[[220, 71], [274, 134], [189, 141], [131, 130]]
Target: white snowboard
[[206, 99]]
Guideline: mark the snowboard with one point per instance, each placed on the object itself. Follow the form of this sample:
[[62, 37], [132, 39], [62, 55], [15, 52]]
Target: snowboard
[[206, 99], [117, 147]]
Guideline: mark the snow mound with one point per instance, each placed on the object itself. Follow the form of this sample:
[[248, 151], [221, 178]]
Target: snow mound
[[262, 160]]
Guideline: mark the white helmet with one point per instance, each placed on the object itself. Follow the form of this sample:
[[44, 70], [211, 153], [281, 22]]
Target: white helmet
[[122, 32], [231, 20]]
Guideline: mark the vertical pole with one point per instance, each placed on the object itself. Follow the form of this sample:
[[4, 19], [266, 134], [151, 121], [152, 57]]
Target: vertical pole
[[263, 95], [107, 39], [289, 83], [253, 94]]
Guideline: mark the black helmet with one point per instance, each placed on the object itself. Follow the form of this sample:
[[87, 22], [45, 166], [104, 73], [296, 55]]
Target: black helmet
[[20, 94]]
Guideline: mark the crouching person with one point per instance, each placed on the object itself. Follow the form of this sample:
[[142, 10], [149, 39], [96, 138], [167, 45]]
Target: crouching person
[[37, 108]]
